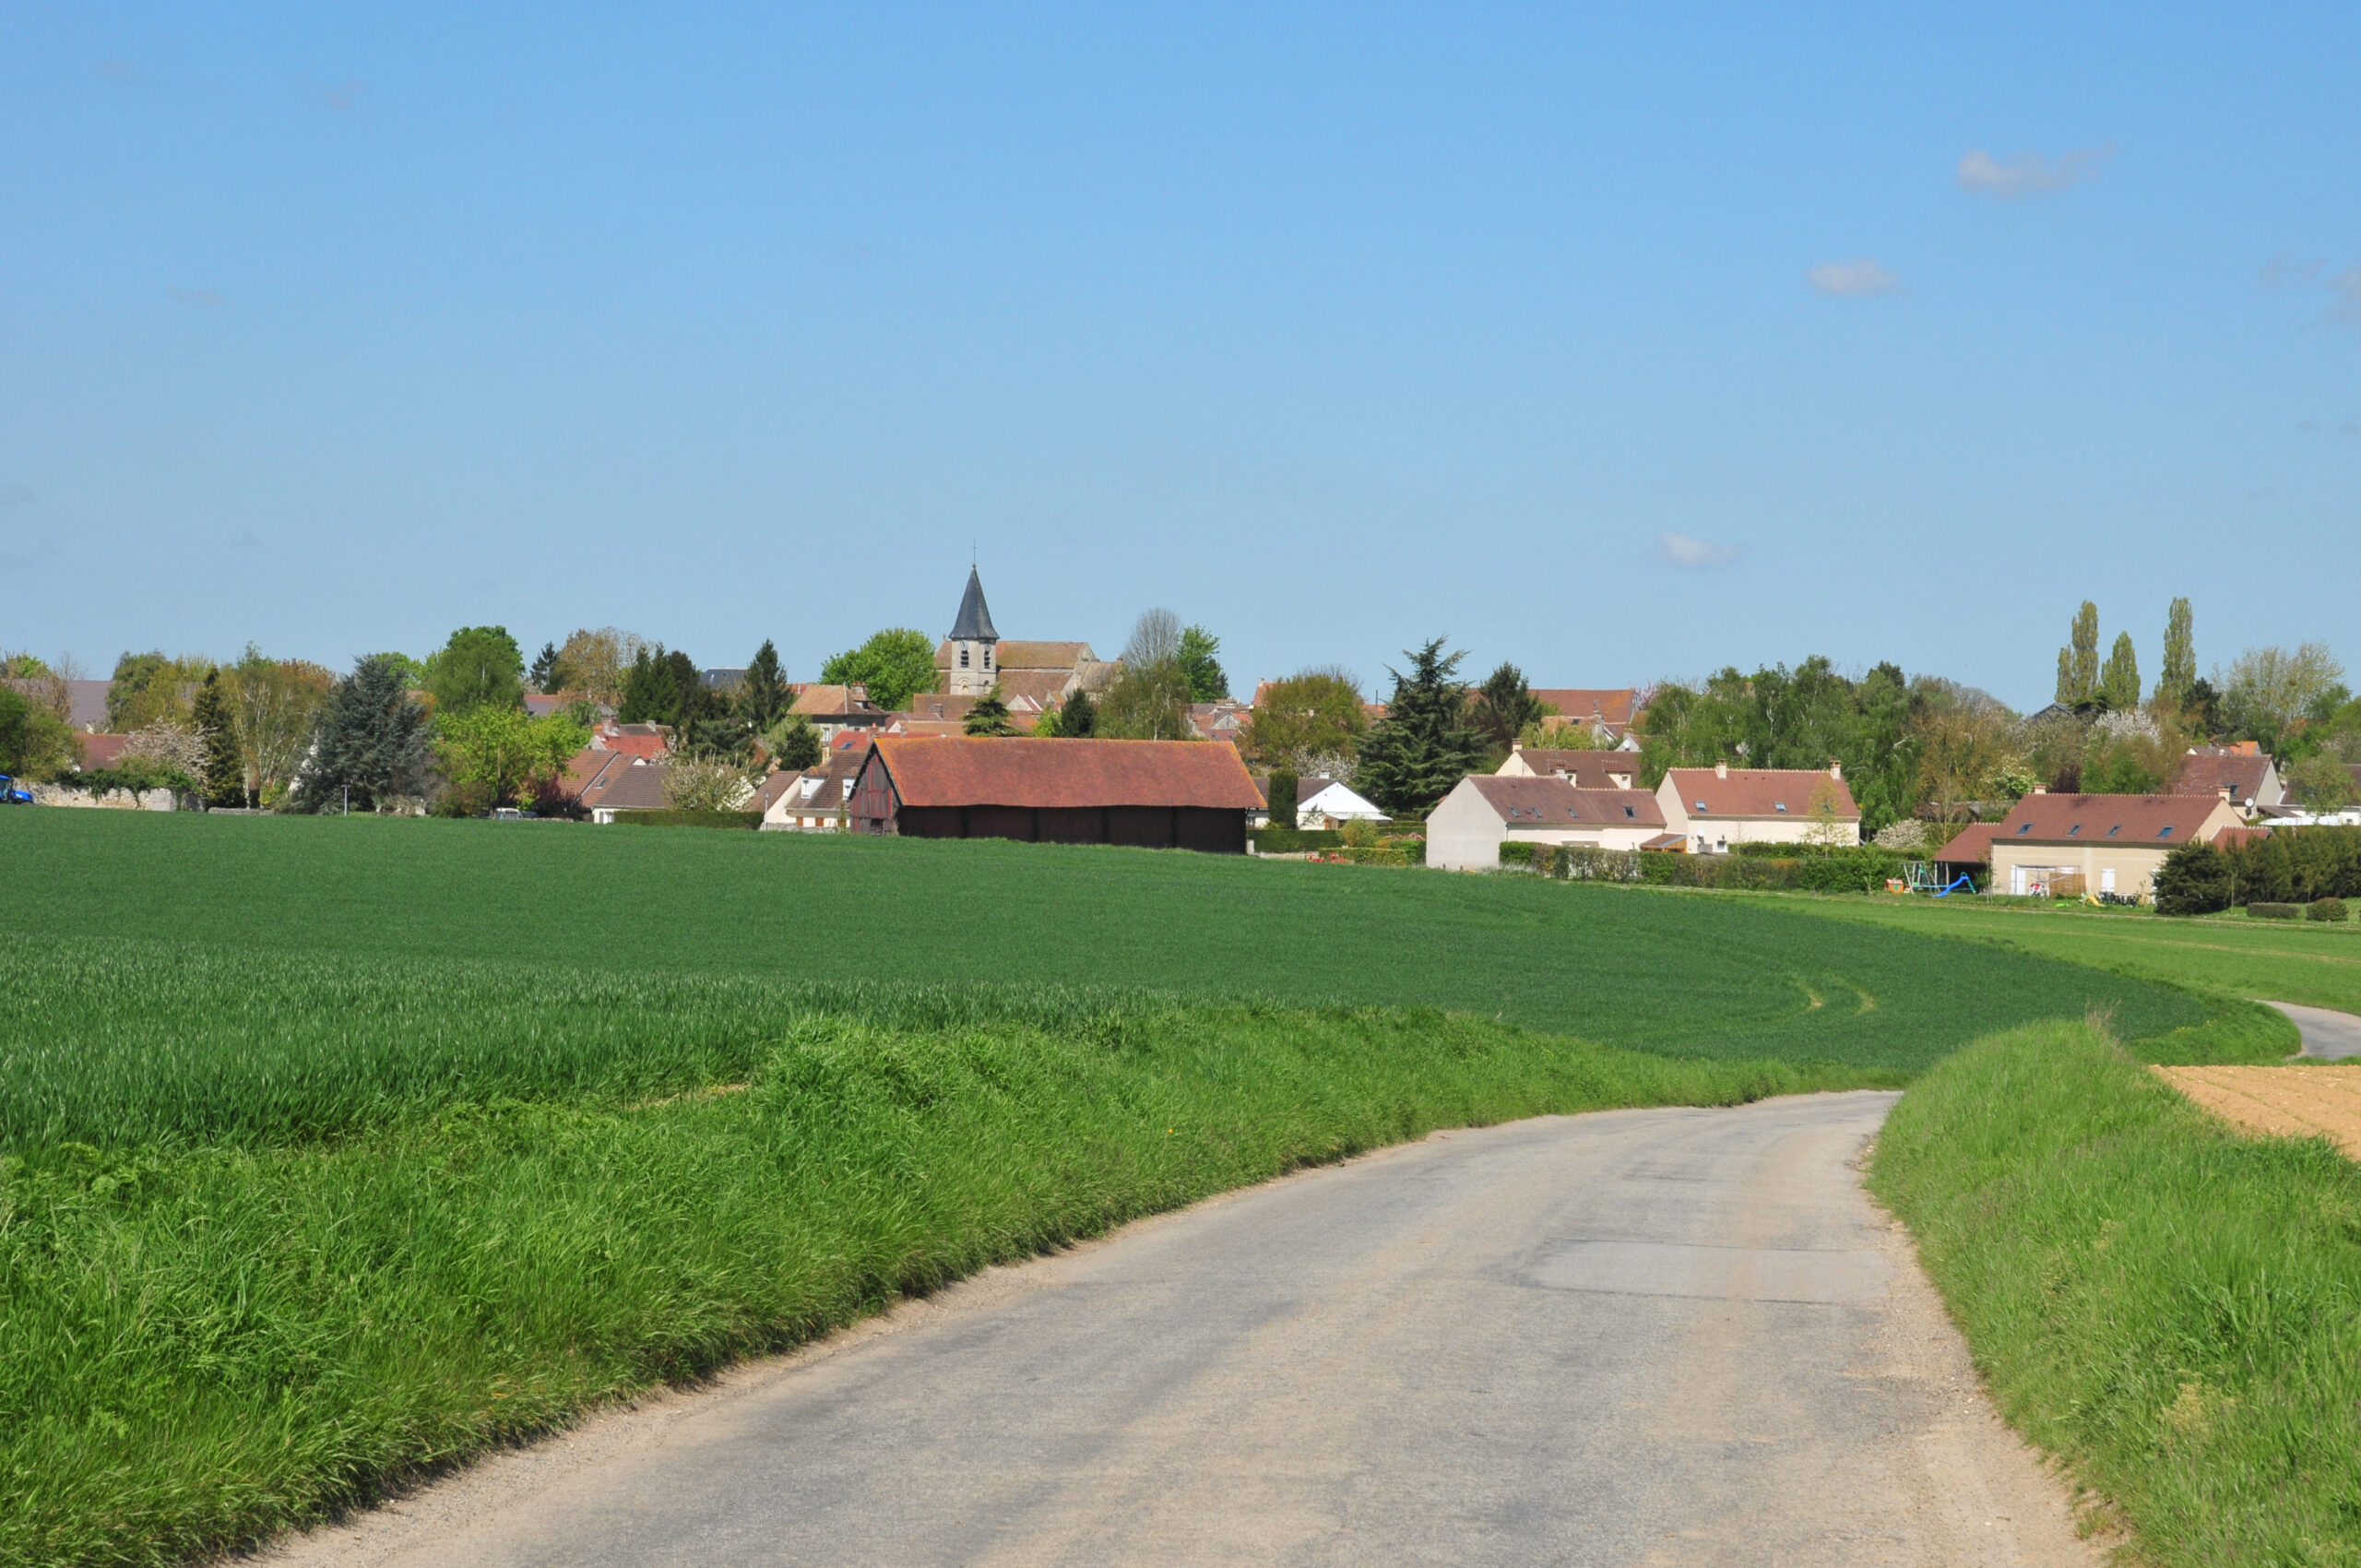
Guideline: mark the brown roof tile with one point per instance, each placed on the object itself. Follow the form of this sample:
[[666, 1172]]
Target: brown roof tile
[[1585, 770], [2209, 773], [1757, 792], [1973, 846], [1556, 802], [1053, 774], [1610, 705], [2146, 820]]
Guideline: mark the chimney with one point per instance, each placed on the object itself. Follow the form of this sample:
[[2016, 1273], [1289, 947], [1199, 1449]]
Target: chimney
[[2041, 789], [1516, 746], [1722, 769], [1835, 770], [2225, 791]]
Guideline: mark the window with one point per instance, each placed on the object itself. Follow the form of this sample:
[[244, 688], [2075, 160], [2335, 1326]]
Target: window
[[2074, 831], [1630, 813], [2165, 832], [987, 658], [963, 658], [2023, 828], [1779, 805], [1700, 805], [2115, 829]]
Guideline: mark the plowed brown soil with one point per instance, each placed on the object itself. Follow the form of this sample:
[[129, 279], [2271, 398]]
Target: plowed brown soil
[[2283, 1101]]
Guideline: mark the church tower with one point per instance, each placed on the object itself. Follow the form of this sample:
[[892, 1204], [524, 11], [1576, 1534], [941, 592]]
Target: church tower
[[973, 673]]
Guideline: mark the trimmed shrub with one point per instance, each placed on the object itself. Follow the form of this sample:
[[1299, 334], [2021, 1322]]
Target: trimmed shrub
[[2275, 911], [1403, 852], [2331, 910], [1518, 852], [2196, 879], [1282, 801], [1293, 840], [691, 819]]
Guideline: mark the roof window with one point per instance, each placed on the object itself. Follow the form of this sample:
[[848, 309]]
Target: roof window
[[2166, 831], [1779, 805], [2115, 829], [2074, 831], [1629, 812], [2023, 828], [1700, 805]]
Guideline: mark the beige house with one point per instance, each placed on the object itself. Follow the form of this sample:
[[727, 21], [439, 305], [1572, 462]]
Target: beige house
[[2066, 846], [1486, 811], [1715, 807], [1583, 769]]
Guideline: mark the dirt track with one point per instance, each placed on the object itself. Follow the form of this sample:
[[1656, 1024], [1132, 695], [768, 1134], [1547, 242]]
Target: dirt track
[[2283, 1101]]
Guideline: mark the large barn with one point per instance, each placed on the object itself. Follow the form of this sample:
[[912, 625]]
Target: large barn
[[1149, 794]]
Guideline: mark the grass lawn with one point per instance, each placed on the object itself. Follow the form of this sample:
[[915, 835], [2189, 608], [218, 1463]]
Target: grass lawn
[[2269, 961], [1704, 975], [329, 1149], [2167, 1305]]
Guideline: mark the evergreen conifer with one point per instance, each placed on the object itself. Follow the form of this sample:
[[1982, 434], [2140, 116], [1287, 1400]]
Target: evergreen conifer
[[1424, 745], [224, 783]]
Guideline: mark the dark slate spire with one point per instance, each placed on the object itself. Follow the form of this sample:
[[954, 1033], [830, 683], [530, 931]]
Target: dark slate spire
[[975, 623]]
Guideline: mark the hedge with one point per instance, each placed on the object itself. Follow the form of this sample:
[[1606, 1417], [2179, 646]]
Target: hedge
[[2331, 910], [689, 819], [1838, 871], [2275, 911], [1293, 840], [1400, 852]]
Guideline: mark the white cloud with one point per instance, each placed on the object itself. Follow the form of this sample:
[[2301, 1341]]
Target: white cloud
[[2346, 285], [1853, 279], [2030, 174], [1694, 554]]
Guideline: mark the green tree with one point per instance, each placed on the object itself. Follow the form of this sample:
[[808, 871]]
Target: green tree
[[224, 781], [495, 756], [1424, 745], [595, 663], [891, 664], [988, 717], [480, 666], [762, 696], [1149, 700], [2179, 673], [2120, 679], [2196, 879], [794, 744], [549, 672], [651, 689], [411, 674], [2078, 663], [148, 688], [1505, 707], [272, 704], [371, 738], [1310, 723], [1206, 681], [1282, 797], [2269, 694], [1077, 720], [2321, 783], [34, 743]]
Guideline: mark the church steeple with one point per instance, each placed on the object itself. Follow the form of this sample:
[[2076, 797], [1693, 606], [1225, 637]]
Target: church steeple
[[972, 639]]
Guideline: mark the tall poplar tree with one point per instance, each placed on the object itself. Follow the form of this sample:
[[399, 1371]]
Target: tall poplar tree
[[2177, 679], [2078, 663], [2120, 681]]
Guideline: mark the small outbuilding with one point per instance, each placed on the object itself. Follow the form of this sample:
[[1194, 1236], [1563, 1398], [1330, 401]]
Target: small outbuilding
[[1147, 794], [1486, 811]]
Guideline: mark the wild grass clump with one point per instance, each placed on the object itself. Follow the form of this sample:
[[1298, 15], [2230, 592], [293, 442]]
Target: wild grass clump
[[2171, 1307], [348, 1220]]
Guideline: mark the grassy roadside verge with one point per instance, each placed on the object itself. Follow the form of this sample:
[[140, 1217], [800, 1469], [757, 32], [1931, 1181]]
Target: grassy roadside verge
[[238, 1290], [2172, 1308]]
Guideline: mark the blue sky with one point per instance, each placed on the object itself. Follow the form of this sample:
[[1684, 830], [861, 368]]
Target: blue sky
[[1623, 344]]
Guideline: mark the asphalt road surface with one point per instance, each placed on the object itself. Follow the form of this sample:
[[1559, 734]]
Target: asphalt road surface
[[2329, 1035], [1645, 1337]]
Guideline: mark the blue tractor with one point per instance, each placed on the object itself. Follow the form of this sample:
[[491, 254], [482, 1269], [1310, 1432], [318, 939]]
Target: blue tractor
[[12, 796]]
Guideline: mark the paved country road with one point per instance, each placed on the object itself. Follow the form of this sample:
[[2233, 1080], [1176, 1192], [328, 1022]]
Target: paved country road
[[1639, 1336], [2329, 1035]]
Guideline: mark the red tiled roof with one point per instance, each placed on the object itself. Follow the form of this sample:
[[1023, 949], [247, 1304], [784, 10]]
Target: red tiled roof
[[1554, 802], [1054, 774], [2147, 820], [1972, 846], [1586, 770], [1665, 841], [631, 740], [101, 751], [2209, 773], [2229, 836], [1610, 706], [1759, 791], [628, 786]]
